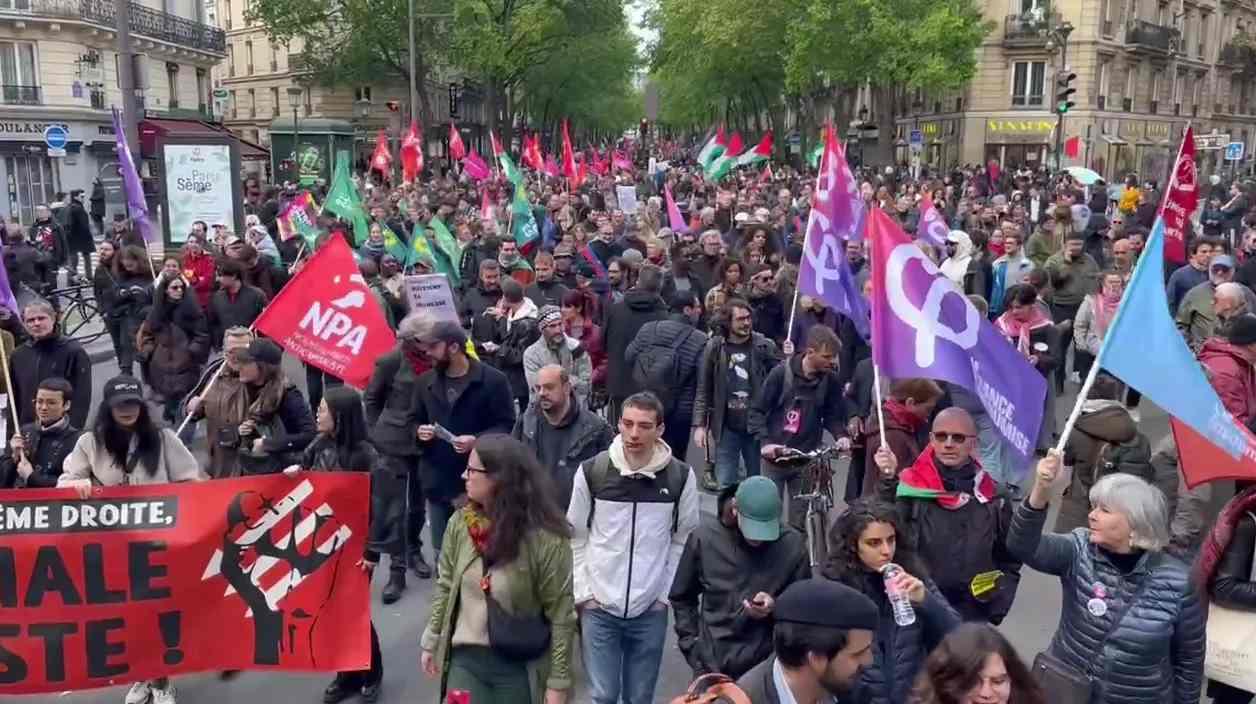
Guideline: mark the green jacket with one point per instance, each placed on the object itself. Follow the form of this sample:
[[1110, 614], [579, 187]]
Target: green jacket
[[1071, 281], [540, 581]]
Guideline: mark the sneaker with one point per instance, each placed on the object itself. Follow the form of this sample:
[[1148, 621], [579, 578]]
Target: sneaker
[[422, 570], [370, 693], [163, 696], [139, 693], [1075, 378]]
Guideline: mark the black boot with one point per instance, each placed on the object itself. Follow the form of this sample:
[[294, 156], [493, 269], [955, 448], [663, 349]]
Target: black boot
[[339, 690], [422, 570], [396, 585], [370, 693]]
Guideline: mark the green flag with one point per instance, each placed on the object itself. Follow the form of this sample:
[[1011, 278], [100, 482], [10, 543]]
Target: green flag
[[508, 167], [344, 200], [420, 250], [448, 251], [393, 245], [524, 224], [813, 157]]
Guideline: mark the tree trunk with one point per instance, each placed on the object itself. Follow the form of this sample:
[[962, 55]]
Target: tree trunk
[[881, 151]]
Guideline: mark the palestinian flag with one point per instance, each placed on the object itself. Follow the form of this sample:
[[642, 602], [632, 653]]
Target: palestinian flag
[[922, 480], [712, 149], [761, 152], [723, 164]]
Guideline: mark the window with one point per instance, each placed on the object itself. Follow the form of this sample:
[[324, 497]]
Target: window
[[1154, 75], [362, 93], [1178, 79], [226, 14], [1027, 83], [1197, 92], [1204, 18], [1101, 84], [18, 80], [274, 101], [31, 182], [309, 103], [235, 106], [1131, 75], [1162, 11], [19, 5], [274, 57], [252, 102], [248, 56], [202, 89], [1107, 23], [172, 85], [231, 59]]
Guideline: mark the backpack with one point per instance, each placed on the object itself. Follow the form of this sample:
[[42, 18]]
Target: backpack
[[1131, 457], [597, 471], [657, 369]]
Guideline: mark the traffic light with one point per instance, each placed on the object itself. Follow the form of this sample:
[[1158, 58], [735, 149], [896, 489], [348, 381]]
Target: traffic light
[[1065, 90]]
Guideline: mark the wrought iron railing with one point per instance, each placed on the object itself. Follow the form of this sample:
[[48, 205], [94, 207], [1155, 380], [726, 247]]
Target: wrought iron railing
[[145, 21], [1151, 35], [20, 95]]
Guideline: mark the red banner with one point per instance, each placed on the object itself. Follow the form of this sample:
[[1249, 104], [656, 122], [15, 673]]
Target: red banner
[[1180, 201], [328, 317], [141, 582]]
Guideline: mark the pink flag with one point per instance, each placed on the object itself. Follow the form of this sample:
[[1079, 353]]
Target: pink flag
[[674, 217], [1180, 200], [456, 148], [621, 161], [551, 166], [475, 166], [486, 206], [932, 226]]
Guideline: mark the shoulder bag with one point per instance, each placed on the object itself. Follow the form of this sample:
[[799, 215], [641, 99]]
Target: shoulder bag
[[517, 637], [1231, 641]]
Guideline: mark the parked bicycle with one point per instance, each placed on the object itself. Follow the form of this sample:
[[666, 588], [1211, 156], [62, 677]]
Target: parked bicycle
[[817, 491], [80, 315]]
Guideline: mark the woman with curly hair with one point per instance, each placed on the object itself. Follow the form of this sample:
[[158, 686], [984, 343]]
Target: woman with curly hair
[[864, 541], [975, 664]]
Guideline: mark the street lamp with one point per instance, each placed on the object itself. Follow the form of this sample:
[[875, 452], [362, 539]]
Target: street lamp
[[294, 101], [1058, 36]]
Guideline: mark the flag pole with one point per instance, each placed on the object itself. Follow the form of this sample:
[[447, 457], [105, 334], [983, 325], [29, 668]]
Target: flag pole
[[876, 368], [205, 392], [8, 383]]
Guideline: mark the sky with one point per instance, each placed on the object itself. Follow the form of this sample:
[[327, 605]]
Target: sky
[[636, 15]]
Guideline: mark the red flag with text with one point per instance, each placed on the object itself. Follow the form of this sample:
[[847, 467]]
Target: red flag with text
[[1181, 200], [328, 317], [140, 582], [381, 160]]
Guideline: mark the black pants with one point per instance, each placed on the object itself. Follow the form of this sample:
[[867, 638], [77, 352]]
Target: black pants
[[1061, 314], [315, 381], [369, 677], [399, 504], [1225, 694], [676, 435]]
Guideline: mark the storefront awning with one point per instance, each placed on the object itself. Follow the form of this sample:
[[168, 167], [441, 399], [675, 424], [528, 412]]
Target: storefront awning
[[153, 128]]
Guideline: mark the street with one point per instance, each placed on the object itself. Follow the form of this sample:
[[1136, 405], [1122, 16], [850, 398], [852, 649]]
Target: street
[[1029, 626]]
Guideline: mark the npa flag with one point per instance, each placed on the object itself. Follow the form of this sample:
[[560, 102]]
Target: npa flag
[[146, 581], [136, 204], [1211, 443], [412, 153], [381, 160], [456, 149], [300, 217], [328, 317], [475, 166], [674, 218], [923, 326], [932, 226], [1180, 200]]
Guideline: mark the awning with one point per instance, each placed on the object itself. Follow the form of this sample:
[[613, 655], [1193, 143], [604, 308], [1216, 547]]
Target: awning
[[253, 152], [1113, 140], [151, 129]]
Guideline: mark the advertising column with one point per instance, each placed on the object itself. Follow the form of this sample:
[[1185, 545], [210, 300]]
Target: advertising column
[[200, 185]]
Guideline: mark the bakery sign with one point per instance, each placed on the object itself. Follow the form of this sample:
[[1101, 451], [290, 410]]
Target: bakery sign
[[27, 129]]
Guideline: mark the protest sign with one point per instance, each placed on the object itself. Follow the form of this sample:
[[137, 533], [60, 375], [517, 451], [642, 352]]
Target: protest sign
[[140, 582], [431, 292], [627, 197]]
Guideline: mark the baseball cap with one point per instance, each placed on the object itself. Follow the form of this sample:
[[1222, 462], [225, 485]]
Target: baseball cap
[[261, 350], [123, 389], [1224, 260], [759, 509]]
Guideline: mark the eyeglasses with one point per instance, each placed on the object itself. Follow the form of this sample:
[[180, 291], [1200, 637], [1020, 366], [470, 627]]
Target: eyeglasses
[[957, 438], [477, 470]]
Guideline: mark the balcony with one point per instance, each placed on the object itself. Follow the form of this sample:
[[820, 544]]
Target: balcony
[[1141, 35], [145, 22], [1240, 56], [20, 95], [1028, 29]]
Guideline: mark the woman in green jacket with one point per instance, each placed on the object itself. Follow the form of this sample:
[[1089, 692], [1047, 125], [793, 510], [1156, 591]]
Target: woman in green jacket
[[509, 544]]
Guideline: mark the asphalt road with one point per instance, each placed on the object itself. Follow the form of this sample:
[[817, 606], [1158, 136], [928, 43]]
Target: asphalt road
[[1029, 626]]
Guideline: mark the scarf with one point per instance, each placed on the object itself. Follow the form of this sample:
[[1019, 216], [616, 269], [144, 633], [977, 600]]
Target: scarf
[[1105, 309], [417, 361], [903, 416], [923, 480], [478, 528], [1019, 330], [1215, 545]]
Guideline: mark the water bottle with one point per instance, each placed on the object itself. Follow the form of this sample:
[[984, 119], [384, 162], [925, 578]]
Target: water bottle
[[904, 614]]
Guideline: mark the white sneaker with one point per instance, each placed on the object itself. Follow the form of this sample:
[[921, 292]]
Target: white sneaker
[[163, 696], [139, 693], [1075, 378]]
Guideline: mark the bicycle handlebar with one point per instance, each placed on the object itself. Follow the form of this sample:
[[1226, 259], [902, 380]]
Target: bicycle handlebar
[[799, 457]]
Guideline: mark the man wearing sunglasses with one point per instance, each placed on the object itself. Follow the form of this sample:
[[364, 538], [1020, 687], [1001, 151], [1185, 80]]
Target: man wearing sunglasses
[[958, 517]]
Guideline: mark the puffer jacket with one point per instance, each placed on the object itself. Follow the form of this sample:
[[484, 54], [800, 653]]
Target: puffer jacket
[[710, 400], [1232, 376], [175, 342], [677, 329], [1104, 432], [1156, 652]]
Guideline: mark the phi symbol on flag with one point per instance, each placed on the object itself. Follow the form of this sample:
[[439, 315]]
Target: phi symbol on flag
[[925, 320], [824, 262]]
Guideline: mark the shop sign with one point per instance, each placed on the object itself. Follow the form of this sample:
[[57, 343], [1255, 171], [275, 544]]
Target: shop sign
[[1130, 130], [1159, 131], [1019, 131]]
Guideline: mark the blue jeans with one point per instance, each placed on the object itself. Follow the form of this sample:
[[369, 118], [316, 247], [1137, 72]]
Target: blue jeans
[[438, 515], [622, 655], [735, 448]]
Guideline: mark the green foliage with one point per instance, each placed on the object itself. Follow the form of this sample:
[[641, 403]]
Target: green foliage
[[589, 80]]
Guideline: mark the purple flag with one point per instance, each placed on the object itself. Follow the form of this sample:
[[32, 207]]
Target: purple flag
[[7, 299], [932, 227], [918, 330], [674, 218], [135, 202], [836, 216]]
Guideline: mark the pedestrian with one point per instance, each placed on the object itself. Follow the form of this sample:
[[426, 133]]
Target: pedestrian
[[174, 343], [223, 404], [277, 423], [663, 358], [198, 268], [1010, 269], [822, 641], [234, 304], [479, 311], [956, 517], [133, 297], [734, 567], [341, 445], [634, 504], [38, 450], [546, 289], [502, 622], [1229, 362], [734, 365], [624, 319], [31, 271], [516, 328], [578, 323], [1197, 317], [976, 664], [78, 235], [1094, 315], [47, 235], [560, 430], [465, 398], [1194, 272], [1223, 575], [555, 347], [1073, 275], [126, 447], [49, 354], [906, 414], [98, 206], [864, 542], [964, 266], [1131, 625]]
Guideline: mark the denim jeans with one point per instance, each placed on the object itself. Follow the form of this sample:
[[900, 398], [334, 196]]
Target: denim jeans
[[622, 655], [735, 448], [438, 514]]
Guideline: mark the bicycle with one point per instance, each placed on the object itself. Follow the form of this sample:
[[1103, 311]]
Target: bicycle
[[80, 317], [817, 491]]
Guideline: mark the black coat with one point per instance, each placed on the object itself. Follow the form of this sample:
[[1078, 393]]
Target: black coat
[[623, 321], [582, 435], [483, 327], [27, 265], [676, 329], [176, 345], [52, 357], [50, 238], [79, 231], [1232, 584], [545, 293], [227, 312], [485, 406], [390, 398], [711, 395], [769, 316], [46, 449]]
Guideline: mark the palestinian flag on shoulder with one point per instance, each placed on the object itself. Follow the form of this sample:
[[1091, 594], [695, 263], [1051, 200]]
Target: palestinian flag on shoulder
[[922, 480]]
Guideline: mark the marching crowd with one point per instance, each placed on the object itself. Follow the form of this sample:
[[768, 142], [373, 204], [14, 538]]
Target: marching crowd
[[544, 441]]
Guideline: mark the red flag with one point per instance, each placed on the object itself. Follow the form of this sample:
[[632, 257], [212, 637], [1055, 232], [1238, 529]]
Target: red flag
[[1203, 461], [1073, 147], [1183, 193], [456, 148], [475, 166], [597, 164], [532, 153], [550, 167], [486, 206], [328, 317], [412, 153], [497, 146], [992, 170], [766, 176], [569, 156], [582, 173], [381, 160], [621, 161]]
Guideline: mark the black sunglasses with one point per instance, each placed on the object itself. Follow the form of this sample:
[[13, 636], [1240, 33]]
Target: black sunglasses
[[957, 438]]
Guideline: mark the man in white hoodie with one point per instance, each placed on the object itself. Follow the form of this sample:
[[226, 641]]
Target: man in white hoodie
[[632, 509]]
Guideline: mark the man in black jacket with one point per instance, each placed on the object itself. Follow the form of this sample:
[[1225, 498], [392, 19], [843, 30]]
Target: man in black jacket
[[733, 367], [677, 338], [479, 310], [48, 355], [38, 451], [25, 264], [561, 432], [733, 568], [623, 321], [465, 398], [769, 311], [546, 289], [79, 234], [389, 400], [234, 304]]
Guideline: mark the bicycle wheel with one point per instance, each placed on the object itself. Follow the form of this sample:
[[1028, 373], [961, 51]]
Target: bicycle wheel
[[817, 539]]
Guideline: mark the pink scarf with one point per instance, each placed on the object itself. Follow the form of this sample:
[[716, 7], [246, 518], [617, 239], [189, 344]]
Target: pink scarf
[[1105, 309], [1019, 330]]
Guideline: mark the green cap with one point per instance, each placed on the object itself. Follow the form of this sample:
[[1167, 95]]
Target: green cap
[[759, 509]]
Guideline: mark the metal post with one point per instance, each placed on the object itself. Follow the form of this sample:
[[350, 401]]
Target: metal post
[[1059, 125], [296, 147], [414, 83], [126, 76]]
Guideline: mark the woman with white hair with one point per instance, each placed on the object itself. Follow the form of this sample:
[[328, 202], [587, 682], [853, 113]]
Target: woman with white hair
[[1131, 625]]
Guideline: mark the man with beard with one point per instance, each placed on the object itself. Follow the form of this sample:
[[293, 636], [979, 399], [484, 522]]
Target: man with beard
[[560, 430], [546, 289], [769, 310], [564, 266], [479, 306], [821, 642], [516, 330], [735, 564], [47, 235], [512, 263], [603, 244], [554, 347]]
